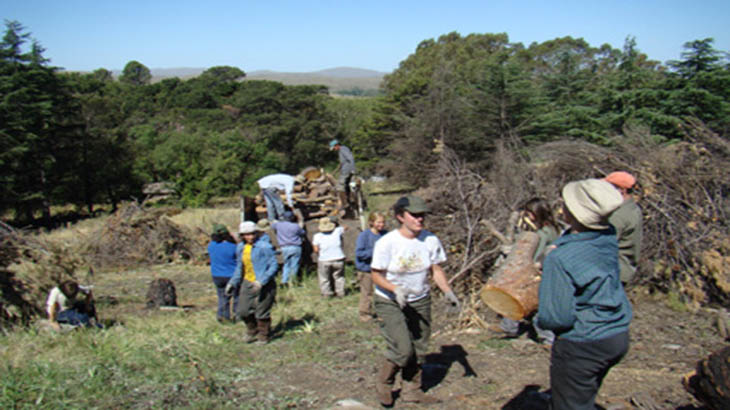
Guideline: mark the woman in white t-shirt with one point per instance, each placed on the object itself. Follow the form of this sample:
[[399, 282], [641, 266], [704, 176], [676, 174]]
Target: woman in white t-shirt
[[327, 243], [402, 262]]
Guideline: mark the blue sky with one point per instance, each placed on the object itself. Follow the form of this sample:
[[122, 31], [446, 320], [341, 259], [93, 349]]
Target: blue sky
[[310, 35]]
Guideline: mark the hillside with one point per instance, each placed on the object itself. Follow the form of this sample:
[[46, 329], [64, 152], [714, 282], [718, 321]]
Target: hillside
[[336, 79]]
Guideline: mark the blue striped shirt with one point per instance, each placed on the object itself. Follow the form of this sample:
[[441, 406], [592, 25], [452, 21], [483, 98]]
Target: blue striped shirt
[[581, 296]]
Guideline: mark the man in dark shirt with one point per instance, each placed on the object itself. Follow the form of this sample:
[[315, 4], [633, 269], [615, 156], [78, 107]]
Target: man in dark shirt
[[347, 170]]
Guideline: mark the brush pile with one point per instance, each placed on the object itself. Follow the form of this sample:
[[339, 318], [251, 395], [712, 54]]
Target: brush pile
[[135, 235], [683, 192], [29, 268]]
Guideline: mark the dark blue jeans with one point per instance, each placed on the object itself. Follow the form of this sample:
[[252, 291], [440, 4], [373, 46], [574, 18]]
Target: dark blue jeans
[[73, 317], [224, 302], [274, 206]]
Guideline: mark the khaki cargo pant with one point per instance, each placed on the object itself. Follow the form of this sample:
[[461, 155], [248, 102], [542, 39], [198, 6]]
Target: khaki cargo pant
[[406, 331], [329, 272]]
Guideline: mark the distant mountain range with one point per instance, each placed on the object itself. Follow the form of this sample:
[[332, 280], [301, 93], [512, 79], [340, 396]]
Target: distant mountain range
[[337, 79]]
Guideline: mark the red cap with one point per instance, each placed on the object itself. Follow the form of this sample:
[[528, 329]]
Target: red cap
[[621, 179]]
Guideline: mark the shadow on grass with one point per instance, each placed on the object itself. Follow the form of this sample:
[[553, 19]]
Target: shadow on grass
[[293, 324], [437, 365]]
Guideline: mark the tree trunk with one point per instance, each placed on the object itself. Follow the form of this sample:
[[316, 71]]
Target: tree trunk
[[512, 290], [710, 383]]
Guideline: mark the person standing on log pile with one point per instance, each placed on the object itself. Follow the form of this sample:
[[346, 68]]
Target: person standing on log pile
[[538, 217], [222, 253], [257, 265], [270, 186], [581, 298], [289, 236], [327, 244], [347, 170], [363, 256], [627, 220], [402, 262]]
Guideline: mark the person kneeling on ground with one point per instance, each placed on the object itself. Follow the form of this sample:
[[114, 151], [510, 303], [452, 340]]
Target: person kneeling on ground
[[402, 262], [581, 298], [66, 306], [256, 263]]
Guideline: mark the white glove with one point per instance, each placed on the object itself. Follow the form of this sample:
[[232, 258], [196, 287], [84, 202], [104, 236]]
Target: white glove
[[229, 290], [454, 304], [401, 295], [256, 286]]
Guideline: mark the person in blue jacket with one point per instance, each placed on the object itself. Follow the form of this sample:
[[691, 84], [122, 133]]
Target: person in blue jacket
[[222, 253], [581, 298], [256, 268], [363, 256]]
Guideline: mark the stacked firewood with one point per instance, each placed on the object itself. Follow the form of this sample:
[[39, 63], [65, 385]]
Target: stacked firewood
[[315, 198]]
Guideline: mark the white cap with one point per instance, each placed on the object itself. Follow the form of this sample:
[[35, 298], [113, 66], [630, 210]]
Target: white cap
[[247, 227]]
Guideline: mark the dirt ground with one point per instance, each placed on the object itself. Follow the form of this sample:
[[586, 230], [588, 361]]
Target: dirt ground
[[467, 368], [477, 369]]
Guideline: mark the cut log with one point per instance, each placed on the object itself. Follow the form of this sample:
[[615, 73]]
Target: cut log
[[512, 290], [710, 383]]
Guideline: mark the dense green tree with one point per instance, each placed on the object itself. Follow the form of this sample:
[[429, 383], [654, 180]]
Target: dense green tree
[[135, 73], [38, 127]]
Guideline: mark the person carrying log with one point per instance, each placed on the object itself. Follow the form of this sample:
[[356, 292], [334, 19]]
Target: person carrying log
[[347, 170], [581, 298], [271, 186], [402, 262], [627, 220], [537, 216]]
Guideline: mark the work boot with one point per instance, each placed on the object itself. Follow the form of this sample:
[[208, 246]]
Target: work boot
[[264, 328], [251, 329], [384, 382], [411, 391]]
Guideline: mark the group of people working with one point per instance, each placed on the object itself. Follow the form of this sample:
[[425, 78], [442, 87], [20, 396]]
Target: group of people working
[[583, 310]]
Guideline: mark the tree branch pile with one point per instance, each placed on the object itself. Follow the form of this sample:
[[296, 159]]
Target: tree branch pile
[[134, 235], [683, 192], [29, 268]]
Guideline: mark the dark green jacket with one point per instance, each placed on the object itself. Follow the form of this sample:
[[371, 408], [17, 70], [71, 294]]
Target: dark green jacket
[[627, 220]]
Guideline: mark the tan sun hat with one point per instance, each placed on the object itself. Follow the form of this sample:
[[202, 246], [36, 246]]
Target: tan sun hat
[[591, 201], [326, 225], [263, 225]]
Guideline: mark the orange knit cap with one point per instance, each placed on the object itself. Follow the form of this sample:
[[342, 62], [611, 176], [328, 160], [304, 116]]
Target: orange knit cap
[[621, 179]]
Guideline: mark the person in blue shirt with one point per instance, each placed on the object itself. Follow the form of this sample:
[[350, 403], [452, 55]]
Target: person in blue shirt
[[581, 298], [222, 253], [363, 256]]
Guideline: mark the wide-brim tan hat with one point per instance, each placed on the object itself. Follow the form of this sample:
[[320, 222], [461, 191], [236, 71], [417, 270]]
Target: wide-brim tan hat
[[591, 201], [263, 225], [326, 225]]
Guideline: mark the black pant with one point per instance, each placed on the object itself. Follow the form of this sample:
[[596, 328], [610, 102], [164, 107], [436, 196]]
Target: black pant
[[577, 369]]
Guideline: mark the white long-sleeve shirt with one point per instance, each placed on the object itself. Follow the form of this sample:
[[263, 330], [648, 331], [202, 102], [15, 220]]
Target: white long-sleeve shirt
[[282, 182]]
